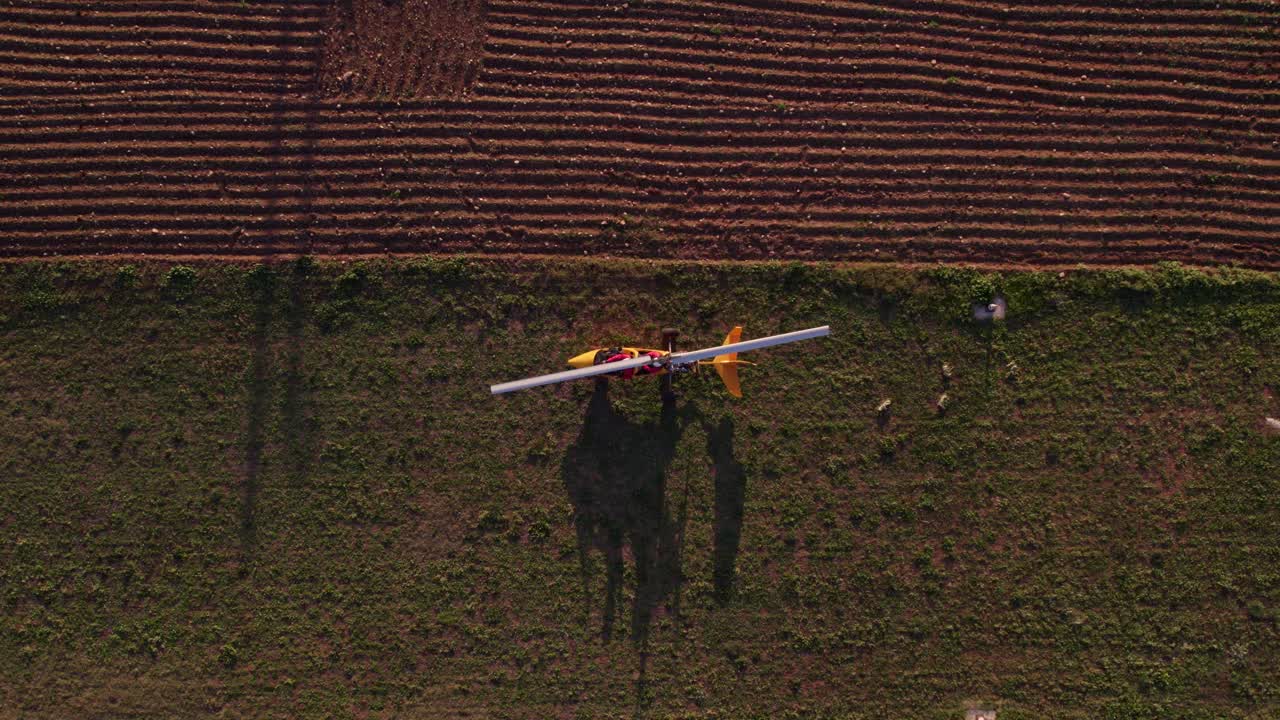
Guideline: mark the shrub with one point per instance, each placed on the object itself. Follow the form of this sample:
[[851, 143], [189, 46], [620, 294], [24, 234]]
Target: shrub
[[261, 280], [127, 277], [333, 316], [539, 531], [180, 282], [491, 522], [793, 512], [303, 265], [1258, 611], [955, 290], [42, 301], [228, 655], [351, 283]]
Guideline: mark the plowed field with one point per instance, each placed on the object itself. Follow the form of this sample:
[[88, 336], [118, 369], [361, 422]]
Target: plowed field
[[992, 133]]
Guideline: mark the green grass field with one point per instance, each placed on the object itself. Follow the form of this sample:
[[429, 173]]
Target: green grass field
[[285, 492]]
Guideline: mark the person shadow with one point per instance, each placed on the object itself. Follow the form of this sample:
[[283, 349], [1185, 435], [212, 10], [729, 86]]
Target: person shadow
[[731, 493], [615, 474]]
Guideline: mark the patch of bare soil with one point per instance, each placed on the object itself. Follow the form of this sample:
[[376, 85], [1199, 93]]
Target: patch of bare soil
[[402, 48]]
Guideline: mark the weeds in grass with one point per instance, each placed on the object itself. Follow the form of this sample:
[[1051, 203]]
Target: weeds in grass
[[1089, 533]]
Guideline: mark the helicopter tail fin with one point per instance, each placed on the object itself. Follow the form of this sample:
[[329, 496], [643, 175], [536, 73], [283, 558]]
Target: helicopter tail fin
[[727, 365]]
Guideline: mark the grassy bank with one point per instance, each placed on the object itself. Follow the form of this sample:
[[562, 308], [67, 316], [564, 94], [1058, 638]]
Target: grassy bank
[[285, 491]]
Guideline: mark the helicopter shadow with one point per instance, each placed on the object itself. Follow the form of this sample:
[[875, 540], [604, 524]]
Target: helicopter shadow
[[616, 477]]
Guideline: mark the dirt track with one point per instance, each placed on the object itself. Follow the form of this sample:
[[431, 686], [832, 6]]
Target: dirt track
[[910, 131]]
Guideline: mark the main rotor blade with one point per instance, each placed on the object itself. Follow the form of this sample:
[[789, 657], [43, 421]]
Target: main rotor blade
[[603, 369], [686, 358]]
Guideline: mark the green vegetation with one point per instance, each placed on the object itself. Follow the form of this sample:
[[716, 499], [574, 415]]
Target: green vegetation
[[285, 492], [180, 282]]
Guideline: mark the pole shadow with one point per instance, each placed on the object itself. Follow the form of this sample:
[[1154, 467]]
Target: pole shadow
[[258, 384], [294, 410], [296, 161], [616, 476]]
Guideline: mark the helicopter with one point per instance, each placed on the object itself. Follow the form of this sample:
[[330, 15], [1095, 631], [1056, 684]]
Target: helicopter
[[628, 362]]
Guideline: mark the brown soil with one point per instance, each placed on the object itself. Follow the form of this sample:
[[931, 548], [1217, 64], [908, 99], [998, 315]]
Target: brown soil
[[393, 49], [909, 131]]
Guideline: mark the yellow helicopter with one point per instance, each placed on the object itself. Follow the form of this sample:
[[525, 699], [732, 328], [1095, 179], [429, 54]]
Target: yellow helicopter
[[627, 362]]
